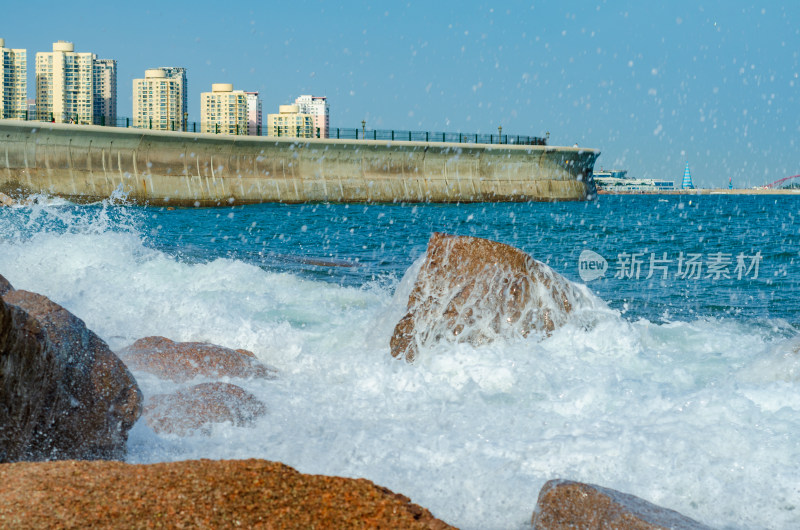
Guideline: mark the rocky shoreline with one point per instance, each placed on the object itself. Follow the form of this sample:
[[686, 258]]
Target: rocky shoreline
[[69, 403]]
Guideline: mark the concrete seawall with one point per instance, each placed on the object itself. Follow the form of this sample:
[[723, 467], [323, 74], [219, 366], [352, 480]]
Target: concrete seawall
[[87, 163]]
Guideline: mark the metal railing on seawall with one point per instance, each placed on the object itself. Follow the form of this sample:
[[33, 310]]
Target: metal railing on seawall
[[344, 133], [427, 136]]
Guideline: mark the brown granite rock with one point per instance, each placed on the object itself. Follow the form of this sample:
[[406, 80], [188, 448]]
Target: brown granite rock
[[567, 504], [182, 361], [4, 286], [197, 494], [193, 409], [476, 290], [63, 392], [5, 200]]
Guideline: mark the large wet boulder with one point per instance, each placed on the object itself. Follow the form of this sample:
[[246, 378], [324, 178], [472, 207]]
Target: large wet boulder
[[567, 504], [195, 409], [63, 392], [183, 361], [475, 290]]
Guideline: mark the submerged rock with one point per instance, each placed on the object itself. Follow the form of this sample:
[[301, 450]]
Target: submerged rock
[[567, 504], [182, 361], [476, 290], [63, 392], [195, 408]]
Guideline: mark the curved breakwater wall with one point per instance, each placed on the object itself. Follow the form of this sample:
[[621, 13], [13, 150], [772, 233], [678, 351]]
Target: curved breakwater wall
[[87, 163]]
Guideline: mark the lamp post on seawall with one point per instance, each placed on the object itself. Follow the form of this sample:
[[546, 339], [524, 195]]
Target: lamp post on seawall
[[499, 134], [363, 129], [185, 121]]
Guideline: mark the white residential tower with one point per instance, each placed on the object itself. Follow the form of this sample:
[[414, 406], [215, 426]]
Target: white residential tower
[[223, 110], [13, 82], [104, 72], [317, 106], [159, 99], [254, 116], [75, 87], [291, 123]]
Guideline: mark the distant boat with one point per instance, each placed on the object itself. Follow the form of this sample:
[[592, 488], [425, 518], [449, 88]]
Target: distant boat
[[687, 179]]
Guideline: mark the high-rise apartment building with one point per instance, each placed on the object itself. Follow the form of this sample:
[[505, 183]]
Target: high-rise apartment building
[[105, 91], [13, 82], [223, 110], [179, 74], [159, 100], [75, 87], [291, 123], [317, 106], [254, 115]]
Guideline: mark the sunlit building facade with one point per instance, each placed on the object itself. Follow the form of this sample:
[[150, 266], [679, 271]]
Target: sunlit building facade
[[158, 100], [291, 123], [75, 87], [178, 73], [317, 106], [14, 79], [223, 110], [254, 115], [105, 91]]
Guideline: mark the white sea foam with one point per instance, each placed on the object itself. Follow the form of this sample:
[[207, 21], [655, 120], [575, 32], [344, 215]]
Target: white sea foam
[[701, 416]]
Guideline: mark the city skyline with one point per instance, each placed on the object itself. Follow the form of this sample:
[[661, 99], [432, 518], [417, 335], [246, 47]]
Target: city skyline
[[650, 86]]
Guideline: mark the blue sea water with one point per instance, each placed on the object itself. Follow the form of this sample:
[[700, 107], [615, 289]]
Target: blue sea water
[[678, 383]]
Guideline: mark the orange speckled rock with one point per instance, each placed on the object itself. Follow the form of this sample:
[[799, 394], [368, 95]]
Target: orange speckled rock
[[197, 494], [475, 290], [567, 504], [182, 361], [195, 408]]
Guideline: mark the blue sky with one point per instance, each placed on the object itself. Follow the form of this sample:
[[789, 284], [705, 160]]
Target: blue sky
[[652, 85]]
